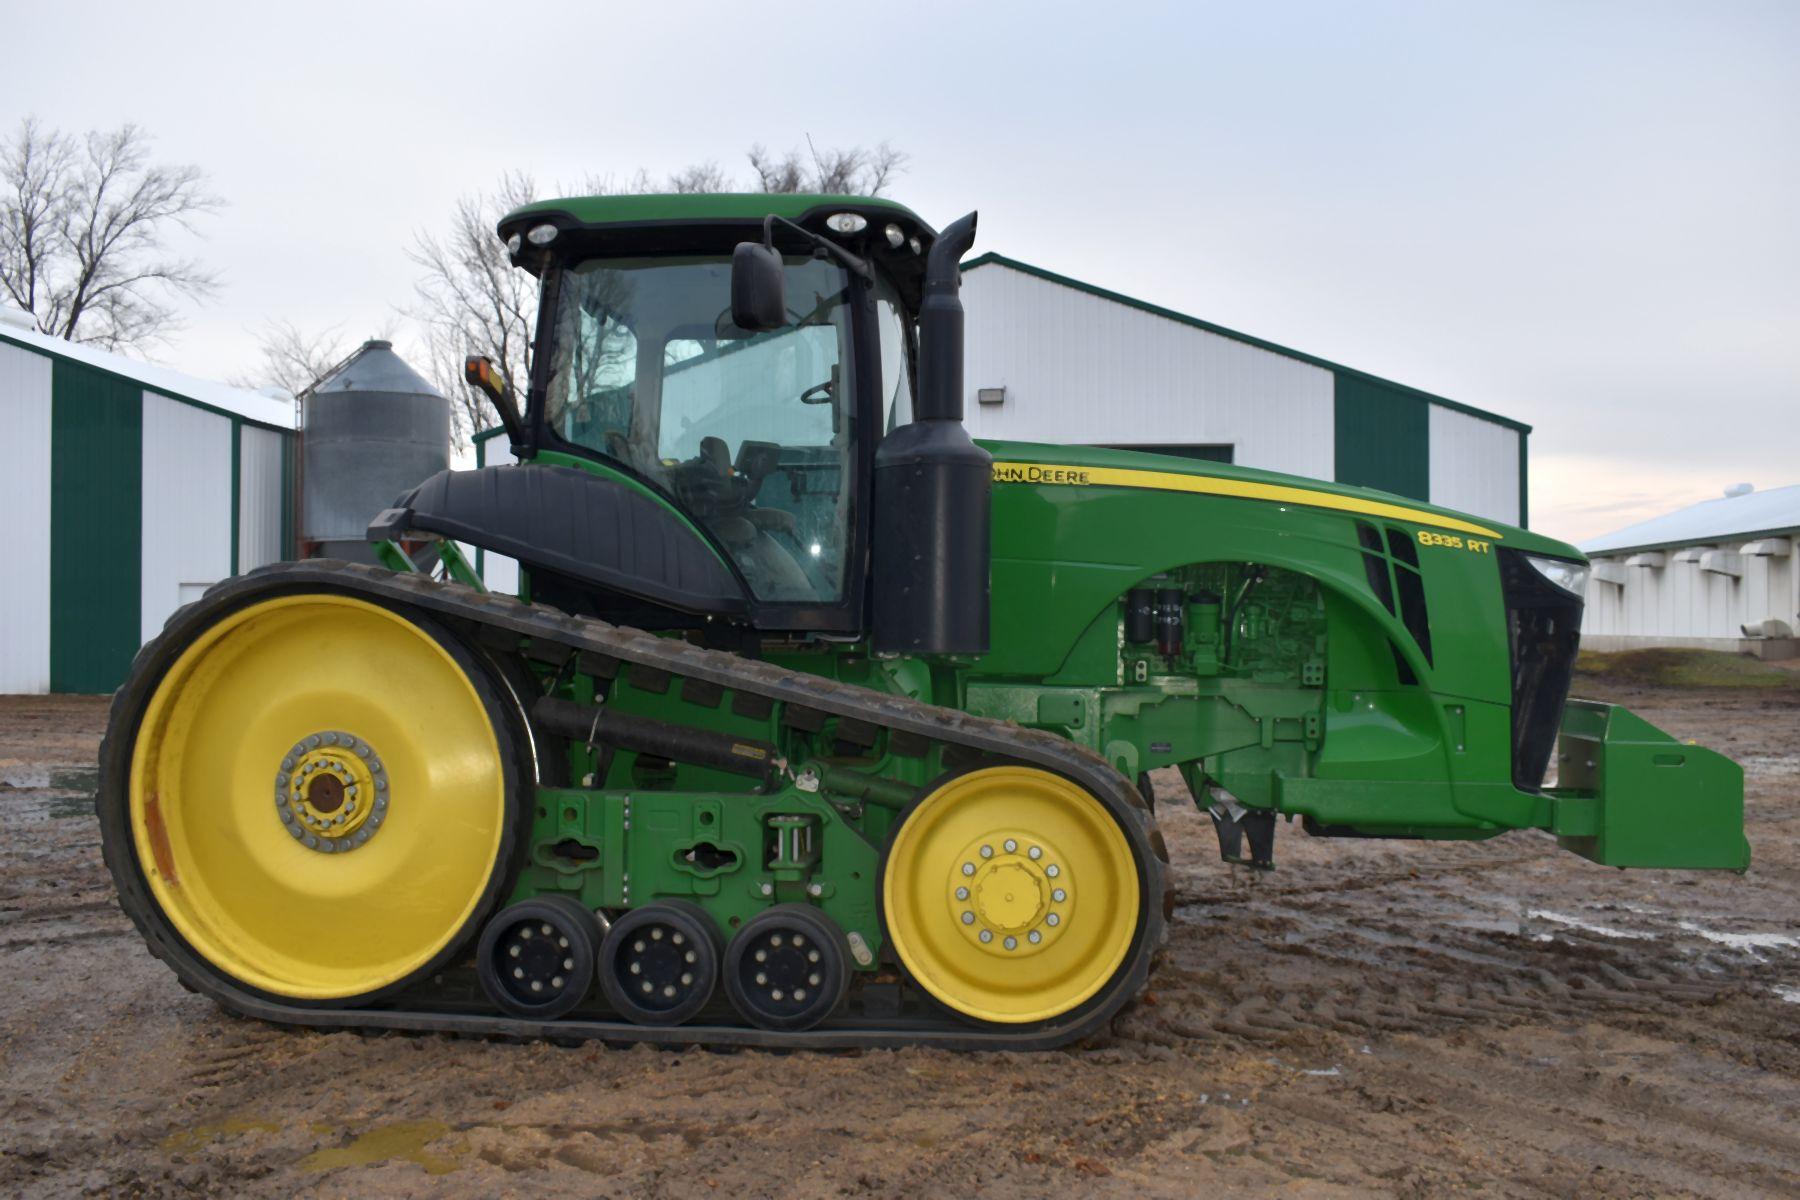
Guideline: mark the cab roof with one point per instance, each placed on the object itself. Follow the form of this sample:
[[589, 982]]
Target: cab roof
[[710, 206]]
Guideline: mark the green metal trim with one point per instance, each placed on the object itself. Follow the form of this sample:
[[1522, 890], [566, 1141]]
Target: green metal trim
[[142, 385], [1524, 484], [96, 526], [237, 487], [1261, 344], [481, 441], [1383, 436], [290, 447]]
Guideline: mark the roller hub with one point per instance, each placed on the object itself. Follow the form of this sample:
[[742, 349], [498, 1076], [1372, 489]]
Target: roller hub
[[331, 792], [660, 963], [788, 968], [536, 957]]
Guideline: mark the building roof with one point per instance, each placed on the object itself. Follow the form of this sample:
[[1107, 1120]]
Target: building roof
[[1249, 340], [1727, 518], [231, 401]]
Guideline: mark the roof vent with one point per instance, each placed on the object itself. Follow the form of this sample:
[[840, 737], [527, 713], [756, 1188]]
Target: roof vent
[[1739, 489]]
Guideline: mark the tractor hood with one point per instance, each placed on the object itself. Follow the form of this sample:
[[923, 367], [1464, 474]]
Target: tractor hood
[[1090, 466]]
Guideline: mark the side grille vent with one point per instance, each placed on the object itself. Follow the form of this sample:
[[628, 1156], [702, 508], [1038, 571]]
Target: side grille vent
[[1392, 566]]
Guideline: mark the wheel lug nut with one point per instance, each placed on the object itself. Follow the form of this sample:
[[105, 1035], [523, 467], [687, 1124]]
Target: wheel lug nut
[[1053, 870], [968, 918], [1035, 852], [987, 935], [987, 852], [1034, 937], [962, 893], [1052, 919], [1059, 895], [968, 868], [1011, 845], [1011, 943]]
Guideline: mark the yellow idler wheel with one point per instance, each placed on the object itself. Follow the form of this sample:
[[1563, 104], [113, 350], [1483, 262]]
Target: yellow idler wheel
[[318, 799], [1011, 895]]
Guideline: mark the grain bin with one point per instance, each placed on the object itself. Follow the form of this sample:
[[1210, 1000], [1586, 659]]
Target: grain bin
[[373, 429]]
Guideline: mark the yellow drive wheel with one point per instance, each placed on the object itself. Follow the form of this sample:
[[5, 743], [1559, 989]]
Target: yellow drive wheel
[[1011, 894], [318, 796]]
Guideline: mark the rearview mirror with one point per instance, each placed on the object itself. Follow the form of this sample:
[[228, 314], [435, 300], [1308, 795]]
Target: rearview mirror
[[480, 373], [758, 288]]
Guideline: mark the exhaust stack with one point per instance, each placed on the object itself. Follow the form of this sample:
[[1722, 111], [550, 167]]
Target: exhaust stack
[[931, 488]]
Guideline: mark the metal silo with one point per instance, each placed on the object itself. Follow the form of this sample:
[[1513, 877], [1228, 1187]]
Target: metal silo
[[373, 429]]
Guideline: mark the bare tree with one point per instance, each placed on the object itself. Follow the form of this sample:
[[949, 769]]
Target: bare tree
[[851, 171], [471, 300], [82, 226], [294, 359]]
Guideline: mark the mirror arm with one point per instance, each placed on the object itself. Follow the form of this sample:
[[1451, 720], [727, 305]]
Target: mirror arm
[[479, 373], [858, 266]]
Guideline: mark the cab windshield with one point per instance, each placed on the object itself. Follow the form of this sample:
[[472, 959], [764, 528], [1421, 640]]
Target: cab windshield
[[751, 433]]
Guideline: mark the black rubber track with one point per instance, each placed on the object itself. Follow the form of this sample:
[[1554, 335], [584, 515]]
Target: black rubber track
[[470, 610]]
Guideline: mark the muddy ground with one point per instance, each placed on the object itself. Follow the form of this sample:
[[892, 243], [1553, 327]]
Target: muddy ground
[[1497, 1019]]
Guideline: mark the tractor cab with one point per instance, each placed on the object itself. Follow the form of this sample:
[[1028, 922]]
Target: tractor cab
[[712, 381]]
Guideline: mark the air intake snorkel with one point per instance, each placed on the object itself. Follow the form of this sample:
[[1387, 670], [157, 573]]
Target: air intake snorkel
[[931, 488]]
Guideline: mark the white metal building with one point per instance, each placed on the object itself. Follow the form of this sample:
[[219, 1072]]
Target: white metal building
[[1052, 359], [1720, 574], [127, 489]]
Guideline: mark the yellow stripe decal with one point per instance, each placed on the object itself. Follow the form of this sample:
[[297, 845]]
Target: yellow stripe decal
[[1242, 489]]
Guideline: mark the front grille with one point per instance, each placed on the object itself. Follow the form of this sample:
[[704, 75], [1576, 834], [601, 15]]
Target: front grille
[[1544, 629]]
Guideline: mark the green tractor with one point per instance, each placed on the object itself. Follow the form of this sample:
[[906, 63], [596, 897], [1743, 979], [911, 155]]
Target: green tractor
[[815, 722]]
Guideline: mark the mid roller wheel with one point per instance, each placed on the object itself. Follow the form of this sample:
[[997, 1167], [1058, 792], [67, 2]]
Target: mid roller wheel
[[536, 957], [1012, 895], [310, 797], [788, 968], [660, 963]]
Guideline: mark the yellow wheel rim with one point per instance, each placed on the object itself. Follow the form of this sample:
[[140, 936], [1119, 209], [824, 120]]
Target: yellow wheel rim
[[1011, 895], [317, 797]]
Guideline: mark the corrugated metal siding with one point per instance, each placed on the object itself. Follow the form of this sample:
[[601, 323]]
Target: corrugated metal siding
[[260, 497], [1079, 368], [1474, 465], [1383, 436], [25, 502], [96, 466], [187, 515], [1679, 600]]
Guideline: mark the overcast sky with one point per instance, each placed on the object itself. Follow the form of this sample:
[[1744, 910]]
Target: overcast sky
[[1585, 215]]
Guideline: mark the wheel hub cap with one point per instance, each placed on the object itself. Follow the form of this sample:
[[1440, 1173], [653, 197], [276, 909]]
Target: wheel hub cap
[[1010, 895], [331, 792]]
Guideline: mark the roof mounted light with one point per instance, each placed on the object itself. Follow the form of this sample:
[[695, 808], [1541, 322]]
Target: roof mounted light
[[541, 235], [915, 245], [846, 222], [512, 245], [896, 238]]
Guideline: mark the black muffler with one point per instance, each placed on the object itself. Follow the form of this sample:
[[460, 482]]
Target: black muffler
[[931, 520]]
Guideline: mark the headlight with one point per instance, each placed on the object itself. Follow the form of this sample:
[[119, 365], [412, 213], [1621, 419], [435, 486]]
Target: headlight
[[1571, 577]]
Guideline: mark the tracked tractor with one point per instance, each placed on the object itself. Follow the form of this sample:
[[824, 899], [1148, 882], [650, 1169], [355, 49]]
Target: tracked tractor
[[815, 722]]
